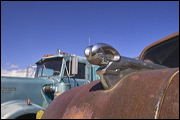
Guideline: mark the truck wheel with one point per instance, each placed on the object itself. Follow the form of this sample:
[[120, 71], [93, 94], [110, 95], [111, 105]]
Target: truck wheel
[[27, 116]]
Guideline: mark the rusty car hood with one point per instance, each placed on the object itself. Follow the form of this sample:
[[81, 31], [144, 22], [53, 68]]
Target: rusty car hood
[[148, 94]]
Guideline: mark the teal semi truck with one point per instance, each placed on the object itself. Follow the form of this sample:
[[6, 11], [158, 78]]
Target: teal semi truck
[[23, 97]]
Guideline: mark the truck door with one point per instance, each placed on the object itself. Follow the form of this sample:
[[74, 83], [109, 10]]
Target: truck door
[[77, 79]]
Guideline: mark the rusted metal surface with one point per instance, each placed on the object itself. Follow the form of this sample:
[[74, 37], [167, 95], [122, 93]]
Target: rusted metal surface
[[147, 94], [156, 43], [170, 104]]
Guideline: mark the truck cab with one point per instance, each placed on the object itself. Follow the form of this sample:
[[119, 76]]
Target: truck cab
[[22, 97]]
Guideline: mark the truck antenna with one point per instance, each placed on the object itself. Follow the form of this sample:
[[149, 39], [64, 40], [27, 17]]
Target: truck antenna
[[89, 41]]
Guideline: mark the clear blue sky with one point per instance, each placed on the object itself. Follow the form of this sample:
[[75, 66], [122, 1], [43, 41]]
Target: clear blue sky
[[31, 29]]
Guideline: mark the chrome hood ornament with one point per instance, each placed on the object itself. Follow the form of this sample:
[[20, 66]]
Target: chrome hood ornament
[[113, 66]]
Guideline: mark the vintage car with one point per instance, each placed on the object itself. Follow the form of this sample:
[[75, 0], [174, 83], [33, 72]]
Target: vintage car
[[143, 88]]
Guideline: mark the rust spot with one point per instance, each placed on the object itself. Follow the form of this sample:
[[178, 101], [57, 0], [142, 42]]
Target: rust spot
[[165, 71], [151, 95], [135, 77], [78, 112], [176, 106]]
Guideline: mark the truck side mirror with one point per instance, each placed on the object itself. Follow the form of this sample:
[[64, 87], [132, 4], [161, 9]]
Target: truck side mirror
[[74, 65]]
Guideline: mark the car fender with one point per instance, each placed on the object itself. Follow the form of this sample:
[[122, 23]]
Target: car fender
[[16, 108]]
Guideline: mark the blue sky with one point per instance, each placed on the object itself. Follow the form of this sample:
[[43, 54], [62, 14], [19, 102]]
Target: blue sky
[[31, 29]]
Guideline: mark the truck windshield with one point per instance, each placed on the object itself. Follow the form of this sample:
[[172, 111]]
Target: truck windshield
[[49, 67]]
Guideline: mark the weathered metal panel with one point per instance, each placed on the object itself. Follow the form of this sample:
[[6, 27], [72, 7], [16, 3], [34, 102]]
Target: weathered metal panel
[[170, 102], [141, 95]]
